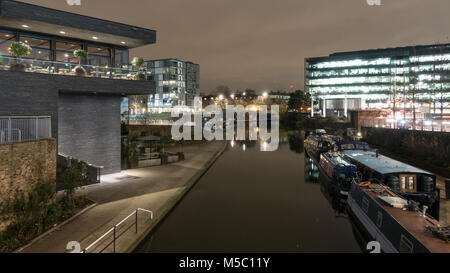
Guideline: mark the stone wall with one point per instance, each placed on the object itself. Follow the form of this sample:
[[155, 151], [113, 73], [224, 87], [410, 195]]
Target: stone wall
[[23, 165]]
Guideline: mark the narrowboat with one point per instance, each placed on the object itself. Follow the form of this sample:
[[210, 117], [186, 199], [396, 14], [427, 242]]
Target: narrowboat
[[408, 181], [338, 170], [394, 222], [311, 171], [333, 195], [318, 143]]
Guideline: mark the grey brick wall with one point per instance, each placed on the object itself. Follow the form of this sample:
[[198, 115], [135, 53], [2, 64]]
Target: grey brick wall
[[89, 129], [87, 110]]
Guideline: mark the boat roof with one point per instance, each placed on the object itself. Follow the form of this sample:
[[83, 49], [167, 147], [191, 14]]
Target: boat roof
[[337, 159], [382, 164], [412, 221]]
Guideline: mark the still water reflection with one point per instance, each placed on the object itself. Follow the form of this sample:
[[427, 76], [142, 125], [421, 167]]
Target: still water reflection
[[253, 201]]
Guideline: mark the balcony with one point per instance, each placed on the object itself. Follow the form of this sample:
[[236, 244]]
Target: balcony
[[60, 68], [24, 129]]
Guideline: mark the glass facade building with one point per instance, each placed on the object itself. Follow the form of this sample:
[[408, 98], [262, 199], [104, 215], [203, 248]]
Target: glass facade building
[[177, 82], [411, 83]]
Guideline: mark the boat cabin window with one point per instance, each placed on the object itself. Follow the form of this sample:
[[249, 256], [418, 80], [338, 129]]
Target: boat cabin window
[[361, 147], [380, 219], [347, 147], [406, 246], [408, 183], [365, 205]]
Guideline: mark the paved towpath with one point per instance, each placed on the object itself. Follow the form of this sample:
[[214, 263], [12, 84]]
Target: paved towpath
[[157, 189]]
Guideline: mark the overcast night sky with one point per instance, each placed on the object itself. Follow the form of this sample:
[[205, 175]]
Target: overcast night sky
[[261, 44]]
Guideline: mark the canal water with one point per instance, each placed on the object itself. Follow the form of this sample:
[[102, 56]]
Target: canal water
[[253, 201]]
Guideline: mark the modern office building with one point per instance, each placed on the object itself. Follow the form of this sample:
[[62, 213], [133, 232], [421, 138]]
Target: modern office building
[[177, 83], [84, 110], [411, 83]]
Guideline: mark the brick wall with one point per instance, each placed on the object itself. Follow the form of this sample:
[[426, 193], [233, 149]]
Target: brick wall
[[89, 129], [86, 109]]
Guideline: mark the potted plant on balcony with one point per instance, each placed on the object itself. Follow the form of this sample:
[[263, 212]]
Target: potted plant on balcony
[[81, 55], [138, 63], [17, 50]]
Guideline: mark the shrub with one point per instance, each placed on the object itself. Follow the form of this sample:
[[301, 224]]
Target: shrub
[[80, 54], [28, 215], [19, 49], [138, 62], [139, 76]]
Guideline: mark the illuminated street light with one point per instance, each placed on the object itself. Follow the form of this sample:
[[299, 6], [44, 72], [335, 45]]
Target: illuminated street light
[[265, 94], [220, 97]]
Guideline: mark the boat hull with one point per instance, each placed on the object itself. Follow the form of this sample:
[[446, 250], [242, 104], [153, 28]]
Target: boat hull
[[380, 225]]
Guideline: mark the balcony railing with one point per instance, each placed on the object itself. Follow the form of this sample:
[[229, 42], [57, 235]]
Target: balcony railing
[[60, 68], [23, 129]]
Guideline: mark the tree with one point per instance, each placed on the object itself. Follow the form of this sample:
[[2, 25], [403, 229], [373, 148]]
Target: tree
[[19, 49], [299, 100], [81, 55], [138, 62]]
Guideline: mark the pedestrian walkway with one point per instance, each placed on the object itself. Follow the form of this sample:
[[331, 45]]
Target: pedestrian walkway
[[157, 189]]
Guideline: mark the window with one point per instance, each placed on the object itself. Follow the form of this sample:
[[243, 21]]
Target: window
[[6, 39], [40, 47], [380, 219], [121, 58], [64, 52], [99, 56], [406, 246], [408, 183], [365, 205]]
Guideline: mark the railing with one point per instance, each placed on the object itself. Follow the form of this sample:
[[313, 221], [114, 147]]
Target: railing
[[61, 68], [22, 129], [115, 232]]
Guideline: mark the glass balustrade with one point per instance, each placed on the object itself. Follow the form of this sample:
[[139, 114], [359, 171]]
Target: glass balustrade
[[60, 68]]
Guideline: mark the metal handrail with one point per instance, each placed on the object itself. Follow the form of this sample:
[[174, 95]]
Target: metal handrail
[[114, 230]]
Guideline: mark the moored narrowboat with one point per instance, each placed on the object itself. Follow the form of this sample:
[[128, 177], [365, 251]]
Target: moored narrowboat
[[319, 142], [408, 181], [338, 170], [396, 223]]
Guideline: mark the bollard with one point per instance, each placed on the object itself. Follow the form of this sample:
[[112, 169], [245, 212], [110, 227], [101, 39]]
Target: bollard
[[447, 189]]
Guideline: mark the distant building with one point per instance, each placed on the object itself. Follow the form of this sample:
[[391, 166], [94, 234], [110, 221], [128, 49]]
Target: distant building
[[280, 97], [177, 82], [411, 83]]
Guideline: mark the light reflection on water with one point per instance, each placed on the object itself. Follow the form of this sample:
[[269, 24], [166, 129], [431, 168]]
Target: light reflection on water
[[253, 201]]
